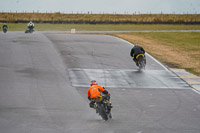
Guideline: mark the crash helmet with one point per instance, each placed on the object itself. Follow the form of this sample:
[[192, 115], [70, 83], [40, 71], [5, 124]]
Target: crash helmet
[[93, 82]]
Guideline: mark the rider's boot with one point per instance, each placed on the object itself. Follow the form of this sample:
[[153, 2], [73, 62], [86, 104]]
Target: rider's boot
[[109, 103], [95, 107]]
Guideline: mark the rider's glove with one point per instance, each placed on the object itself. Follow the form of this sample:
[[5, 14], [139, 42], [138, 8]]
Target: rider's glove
[[105, 92]]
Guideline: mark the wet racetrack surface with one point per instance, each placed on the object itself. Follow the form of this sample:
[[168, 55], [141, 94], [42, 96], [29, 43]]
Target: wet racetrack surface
[[44, 79]]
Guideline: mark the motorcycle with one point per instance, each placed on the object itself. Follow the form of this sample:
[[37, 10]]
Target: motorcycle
[[29, 30], [5, 29], [103, 106], [141, 59]]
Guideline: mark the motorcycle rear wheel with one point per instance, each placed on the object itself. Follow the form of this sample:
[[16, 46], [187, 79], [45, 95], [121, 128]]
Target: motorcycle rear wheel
[[102, 112], [110, 115], [141, 63]]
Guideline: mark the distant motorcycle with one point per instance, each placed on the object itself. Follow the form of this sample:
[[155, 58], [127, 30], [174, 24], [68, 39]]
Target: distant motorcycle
[[5, 29], [103, 107], [141, 61], [29, 30]]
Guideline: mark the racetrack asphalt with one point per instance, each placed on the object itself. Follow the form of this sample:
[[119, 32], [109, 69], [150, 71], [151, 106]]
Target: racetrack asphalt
[[44, 79]]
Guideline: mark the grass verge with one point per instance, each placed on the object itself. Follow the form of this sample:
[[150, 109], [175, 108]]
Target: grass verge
[[181, 50], [100, 27]]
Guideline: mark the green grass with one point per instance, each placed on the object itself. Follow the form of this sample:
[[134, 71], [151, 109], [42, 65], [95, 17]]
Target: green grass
[[189, 41], [100, 27]]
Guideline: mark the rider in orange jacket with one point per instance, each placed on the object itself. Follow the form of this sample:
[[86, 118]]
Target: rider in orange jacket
[[94, 91]]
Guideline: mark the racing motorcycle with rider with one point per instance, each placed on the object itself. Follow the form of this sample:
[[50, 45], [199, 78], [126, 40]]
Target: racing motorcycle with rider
[[30, 27], [100, 100], [5, 28], [138, 55]]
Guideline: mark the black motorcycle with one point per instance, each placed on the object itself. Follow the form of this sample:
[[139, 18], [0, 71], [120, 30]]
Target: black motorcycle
[[5, 29], [103, 106], [141, 61]]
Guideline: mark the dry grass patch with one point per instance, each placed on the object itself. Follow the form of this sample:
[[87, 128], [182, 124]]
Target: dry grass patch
[[105, 18]]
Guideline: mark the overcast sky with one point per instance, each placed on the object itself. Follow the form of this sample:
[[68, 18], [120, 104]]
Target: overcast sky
[[102, 6]]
